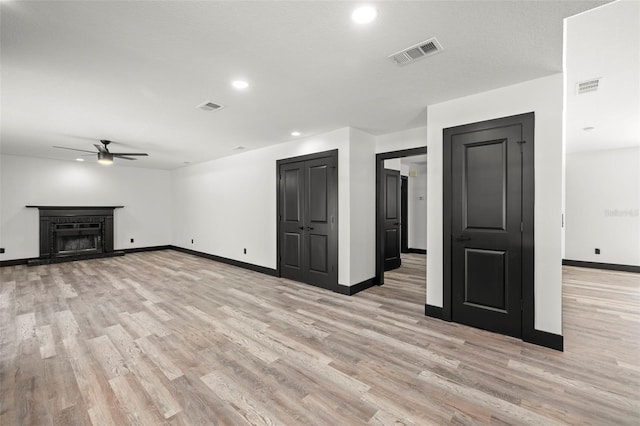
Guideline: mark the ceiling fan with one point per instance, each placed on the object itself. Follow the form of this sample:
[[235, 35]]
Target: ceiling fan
[[104, 155]]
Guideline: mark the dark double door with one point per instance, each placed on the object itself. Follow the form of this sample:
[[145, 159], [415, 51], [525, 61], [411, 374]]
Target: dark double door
[[308, 213], [490, 196]]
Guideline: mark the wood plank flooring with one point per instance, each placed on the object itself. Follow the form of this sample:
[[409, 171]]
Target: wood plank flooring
[[168, 338]]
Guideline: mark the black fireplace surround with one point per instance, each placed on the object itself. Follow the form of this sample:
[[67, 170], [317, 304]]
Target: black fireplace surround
[[75, 232]]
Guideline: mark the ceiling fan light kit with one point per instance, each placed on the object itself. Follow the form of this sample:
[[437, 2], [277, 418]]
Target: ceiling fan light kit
[[105, 158]]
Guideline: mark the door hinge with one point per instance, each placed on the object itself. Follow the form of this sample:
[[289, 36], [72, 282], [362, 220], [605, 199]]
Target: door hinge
[[521, 227], [520, 144], [522, 304]]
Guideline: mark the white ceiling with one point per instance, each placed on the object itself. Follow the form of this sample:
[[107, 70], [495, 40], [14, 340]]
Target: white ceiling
[[74, 72]]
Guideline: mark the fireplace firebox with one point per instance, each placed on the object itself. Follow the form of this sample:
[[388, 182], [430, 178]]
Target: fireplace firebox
[[74, 233]]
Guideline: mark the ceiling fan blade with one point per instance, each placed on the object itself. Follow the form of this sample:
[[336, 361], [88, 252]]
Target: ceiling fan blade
[[100, 148], [130, 153], [124, 158], [73, 149]]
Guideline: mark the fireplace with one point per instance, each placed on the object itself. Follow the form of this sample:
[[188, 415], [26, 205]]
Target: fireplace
[[81, 236], [74, 233]]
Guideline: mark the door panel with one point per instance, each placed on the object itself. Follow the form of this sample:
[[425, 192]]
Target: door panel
[[318, 250], [292, 194], [485, 185], [486, 246], [391, 241], [292, 250], [485, 278], [318, 181], [308, 223], [391, 219]]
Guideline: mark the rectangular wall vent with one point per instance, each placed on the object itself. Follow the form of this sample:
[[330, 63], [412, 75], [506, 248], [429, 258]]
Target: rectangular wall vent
[[209, 106], [587, 86], [418, 51]]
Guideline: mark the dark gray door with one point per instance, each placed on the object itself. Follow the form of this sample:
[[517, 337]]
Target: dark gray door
[[292, 221], [392, 214], [404, 215], [486, 228], [308, 221]]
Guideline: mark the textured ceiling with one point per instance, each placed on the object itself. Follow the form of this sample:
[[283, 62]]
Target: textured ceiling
[[133, 71]]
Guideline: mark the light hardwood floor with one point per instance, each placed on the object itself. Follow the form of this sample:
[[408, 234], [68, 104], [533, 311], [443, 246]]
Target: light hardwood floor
[[168, 338]]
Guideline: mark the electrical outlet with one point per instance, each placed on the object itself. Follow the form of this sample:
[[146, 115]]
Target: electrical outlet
[[2, 250], [132, 240], [245, 251], [597, 251]]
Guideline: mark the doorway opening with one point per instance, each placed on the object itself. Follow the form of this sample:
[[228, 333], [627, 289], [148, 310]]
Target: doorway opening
[[401, 214]]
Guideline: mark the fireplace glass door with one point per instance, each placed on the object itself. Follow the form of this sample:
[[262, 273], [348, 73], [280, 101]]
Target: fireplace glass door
[[71, 239]]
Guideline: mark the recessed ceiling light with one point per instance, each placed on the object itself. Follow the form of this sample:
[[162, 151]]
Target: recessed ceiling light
[[79, 159], [364, 15], [240, 84], [295, 133]]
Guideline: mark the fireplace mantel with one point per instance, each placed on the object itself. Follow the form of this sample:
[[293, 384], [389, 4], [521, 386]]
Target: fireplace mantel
[[75, 232], [86, 210]]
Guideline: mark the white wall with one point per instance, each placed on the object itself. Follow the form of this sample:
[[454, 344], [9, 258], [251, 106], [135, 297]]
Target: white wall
[[602, 206], [417, 207], [602, 177], [393, 164], [363, 206], [229, 204], [406, 139], [544, 97], [34, 181]]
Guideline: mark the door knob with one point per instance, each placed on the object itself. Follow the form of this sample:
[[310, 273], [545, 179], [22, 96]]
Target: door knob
[[301, 228]]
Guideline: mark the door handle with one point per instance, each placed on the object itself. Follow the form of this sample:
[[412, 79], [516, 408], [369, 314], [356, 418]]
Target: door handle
[[462, 238], [310, 228], [301, 228], [396, 224]]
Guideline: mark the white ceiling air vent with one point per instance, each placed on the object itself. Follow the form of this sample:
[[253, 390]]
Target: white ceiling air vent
[[209, 106], [417, 51], [588, 86]]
